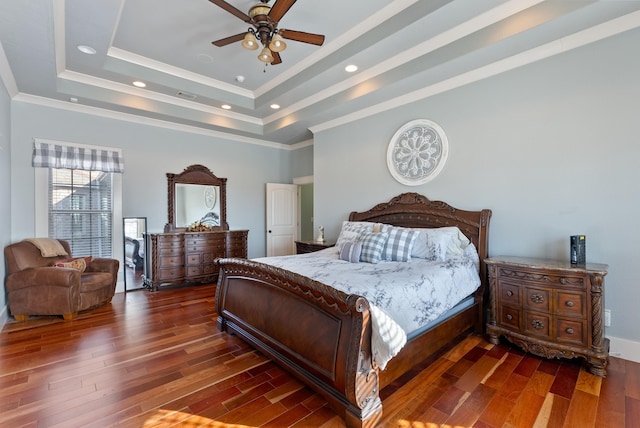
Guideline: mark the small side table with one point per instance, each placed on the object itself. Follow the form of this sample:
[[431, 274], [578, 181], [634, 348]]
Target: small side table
[[303, 247], [550, 308]]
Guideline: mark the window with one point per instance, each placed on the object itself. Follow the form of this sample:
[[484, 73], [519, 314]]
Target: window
[[80, 210], [78, 195]]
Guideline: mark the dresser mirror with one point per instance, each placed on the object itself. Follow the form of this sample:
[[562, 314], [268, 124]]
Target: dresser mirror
[[196, 199]]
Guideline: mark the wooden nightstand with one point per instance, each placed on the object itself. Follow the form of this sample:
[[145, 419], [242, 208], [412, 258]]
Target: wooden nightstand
[[303, 247], [550, 308]]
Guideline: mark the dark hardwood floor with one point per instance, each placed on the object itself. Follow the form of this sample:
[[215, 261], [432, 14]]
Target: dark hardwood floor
[[157, 360]]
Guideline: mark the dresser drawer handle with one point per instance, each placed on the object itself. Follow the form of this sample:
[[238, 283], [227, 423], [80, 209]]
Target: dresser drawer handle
[[570, 331], [509, 293], [509, 317], [537, 324], [537, 298], [569, 303]]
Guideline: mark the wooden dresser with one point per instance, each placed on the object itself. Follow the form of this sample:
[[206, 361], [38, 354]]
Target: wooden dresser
[[550, 308], [188, 257]]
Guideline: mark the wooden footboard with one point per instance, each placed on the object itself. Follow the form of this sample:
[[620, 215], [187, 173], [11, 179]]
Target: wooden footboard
[[321, 335]]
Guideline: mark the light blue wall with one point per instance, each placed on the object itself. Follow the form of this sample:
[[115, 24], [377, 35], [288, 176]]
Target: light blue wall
[[302, 162], [5, 186], [149, 152], [552, 148]]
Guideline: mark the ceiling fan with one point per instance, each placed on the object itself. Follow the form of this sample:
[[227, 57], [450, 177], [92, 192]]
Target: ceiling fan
[[264, 19]]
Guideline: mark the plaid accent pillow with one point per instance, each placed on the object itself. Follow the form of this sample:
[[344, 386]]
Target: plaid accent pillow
[[350, 252], [399, 244], [372, 247]]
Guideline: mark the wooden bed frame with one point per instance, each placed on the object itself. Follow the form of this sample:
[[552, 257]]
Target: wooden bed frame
[[322, 335]]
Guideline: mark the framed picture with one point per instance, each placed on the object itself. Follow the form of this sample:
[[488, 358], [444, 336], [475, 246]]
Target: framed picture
[[417, 152]]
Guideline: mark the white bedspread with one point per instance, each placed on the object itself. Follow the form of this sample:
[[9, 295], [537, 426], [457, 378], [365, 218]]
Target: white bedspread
[[404, 295]]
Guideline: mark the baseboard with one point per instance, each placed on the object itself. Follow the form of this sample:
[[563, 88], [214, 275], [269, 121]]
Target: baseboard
[[625, 349]]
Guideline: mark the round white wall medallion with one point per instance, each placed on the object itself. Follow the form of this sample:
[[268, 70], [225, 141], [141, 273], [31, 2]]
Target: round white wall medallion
[[417, 152], [210, 198]]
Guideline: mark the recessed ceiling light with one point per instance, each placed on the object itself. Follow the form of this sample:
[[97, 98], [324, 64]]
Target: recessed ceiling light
[[139, 84], [86, 49], [73, 99], [239, 79], [351, 68], [275, 106], [226, 106]]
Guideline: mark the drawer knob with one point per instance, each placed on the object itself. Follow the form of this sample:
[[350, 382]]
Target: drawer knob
[[509, 293], [537, 298], [509, 317], [537, 324], [570, 330], [569, 303]]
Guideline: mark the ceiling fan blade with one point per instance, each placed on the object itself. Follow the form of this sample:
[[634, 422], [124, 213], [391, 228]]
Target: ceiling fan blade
[[280, 8], [228, 40], [276, 58], [301, 36], [232, 10]]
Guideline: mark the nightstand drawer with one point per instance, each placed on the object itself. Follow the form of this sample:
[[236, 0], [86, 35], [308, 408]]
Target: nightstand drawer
[[537, 323], [510, 317], [538, 299], [510, 293], [572, 331], [571, 304]]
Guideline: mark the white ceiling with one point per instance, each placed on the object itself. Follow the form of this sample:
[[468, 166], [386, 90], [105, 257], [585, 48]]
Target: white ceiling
[[405, 50]]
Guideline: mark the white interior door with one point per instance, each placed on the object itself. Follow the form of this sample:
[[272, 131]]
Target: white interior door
[[282, 219]]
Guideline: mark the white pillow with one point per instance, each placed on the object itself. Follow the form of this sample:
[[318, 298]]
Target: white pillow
[[438, 244]]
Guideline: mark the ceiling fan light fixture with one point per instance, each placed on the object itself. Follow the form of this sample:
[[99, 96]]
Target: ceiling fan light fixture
[[265, 55], [259, 9], [277, 43], [249, 42]]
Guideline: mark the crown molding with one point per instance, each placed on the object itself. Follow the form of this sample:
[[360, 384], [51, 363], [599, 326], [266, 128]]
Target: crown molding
[[561, 45], [110, 114], [6, 76]]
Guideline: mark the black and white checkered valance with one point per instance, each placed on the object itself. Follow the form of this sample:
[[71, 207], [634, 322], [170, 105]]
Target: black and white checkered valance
[[60, 155]]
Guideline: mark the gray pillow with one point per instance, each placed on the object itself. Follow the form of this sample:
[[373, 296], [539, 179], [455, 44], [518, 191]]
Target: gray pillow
[[350, 252]]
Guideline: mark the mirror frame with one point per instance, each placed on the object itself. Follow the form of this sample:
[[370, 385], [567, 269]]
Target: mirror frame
[[195, 174]]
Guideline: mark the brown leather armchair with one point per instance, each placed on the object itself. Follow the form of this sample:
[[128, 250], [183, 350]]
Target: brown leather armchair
[[36, 287]]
